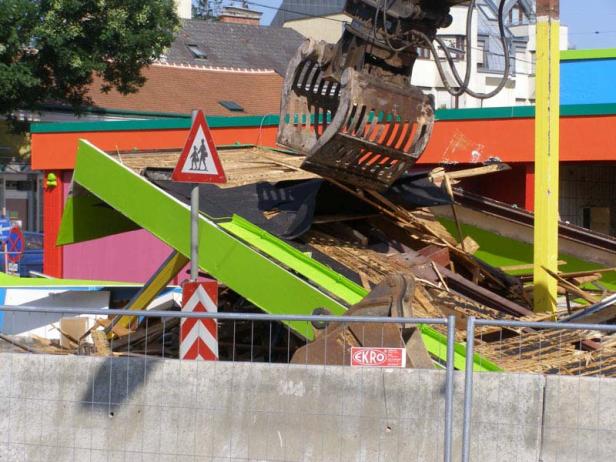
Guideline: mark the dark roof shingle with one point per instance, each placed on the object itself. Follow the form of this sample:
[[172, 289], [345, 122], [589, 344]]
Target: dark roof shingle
[[236, 45]]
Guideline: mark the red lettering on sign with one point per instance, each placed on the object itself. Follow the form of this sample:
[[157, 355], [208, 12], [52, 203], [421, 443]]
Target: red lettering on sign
[[378, 357]]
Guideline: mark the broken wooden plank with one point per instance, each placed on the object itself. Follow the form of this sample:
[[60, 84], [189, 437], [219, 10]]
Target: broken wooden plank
[[572, 287], [17, 343], [525, 266], [576, 274], [440, 276], [439, 173], [481, 295], [449, 191], [101, 345], [470, 245]]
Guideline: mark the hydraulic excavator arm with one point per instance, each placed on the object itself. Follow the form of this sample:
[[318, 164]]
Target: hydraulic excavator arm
[[350, 106]]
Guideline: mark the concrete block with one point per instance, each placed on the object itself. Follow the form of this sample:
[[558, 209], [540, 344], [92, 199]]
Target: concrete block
[[579, 422], [25, 421], [27, 375], [40, 453], [6, 366], [253, 438], [12, 451], [170, 418], [5, 409], [204, 433], [503, 402], [136, 409], [222, 433]]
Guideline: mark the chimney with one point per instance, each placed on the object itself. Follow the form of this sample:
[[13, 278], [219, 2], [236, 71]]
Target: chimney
[[184, 9], [237, 15]]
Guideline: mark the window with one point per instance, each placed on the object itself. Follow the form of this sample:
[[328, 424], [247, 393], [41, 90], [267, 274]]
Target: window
[[423, 53], [197, 52], [482, 58], [455, 45], [596, 219], [231, 106]]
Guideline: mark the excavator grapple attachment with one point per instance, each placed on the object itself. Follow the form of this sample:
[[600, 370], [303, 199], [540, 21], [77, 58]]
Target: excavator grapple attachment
[[350, 107], [360, 130]]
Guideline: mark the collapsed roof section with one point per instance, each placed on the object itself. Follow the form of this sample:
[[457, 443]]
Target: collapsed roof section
[[233, 250], [328, 259]]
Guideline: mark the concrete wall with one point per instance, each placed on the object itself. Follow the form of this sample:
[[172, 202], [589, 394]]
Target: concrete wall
[[88, 408], [328, 28]]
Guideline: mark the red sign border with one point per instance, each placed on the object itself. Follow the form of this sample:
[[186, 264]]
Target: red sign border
[[182, 177], [12, 256], [199, 350], [399, 366]]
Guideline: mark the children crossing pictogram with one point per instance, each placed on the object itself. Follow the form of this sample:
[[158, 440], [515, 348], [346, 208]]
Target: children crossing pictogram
[[199, 161], [199, 337]]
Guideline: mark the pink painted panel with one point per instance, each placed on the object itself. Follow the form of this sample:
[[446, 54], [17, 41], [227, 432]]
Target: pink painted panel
[[126, 257]]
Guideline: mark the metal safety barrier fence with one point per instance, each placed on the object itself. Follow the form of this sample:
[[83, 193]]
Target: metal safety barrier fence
[[242, 337], [548, 349], [564, 350]]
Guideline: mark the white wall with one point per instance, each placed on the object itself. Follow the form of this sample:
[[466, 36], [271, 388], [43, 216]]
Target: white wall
[[425, 72], [327, 28], [184, 9]]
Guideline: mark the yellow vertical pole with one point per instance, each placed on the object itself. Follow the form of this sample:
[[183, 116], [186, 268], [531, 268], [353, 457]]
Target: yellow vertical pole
[[546, 155]]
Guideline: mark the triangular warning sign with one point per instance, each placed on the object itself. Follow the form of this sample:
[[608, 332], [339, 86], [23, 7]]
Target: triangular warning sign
[[199, 162]]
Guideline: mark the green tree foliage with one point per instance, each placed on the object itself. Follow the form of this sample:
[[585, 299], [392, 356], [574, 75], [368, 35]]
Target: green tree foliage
[[51, 49]]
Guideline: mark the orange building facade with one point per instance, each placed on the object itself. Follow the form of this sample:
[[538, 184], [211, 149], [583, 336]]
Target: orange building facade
[[462, 137]]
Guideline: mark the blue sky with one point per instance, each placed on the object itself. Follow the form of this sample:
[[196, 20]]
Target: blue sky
[[584, 18]]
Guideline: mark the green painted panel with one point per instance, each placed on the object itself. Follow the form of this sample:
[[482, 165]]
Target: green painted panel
[[437, 342], [6, 280], [95, 219], [486, 113], [573, 110], [156, 124], [289, 256], [601, 53], [497, 250], [262, 281], [272, 120], [108, 126]]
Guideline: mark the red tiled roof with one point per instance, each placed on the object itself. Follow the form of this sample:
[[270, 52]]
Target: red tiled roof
[[177, 89]]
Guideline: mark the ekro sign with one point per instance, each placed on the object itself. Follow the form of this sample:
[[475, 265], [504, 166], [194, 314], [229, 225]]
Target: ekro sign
[[378, 357]]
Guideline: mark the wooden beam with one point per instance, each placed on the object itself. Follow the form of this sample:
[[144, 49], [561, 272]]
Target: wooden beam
[[571, 287], [547, 115], [528, 266], [577, 274], [159, 280], [439, 173]]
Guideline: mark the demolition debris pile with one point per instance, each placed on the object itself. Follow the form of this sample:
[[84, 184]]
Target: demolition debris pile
[[388, 243]]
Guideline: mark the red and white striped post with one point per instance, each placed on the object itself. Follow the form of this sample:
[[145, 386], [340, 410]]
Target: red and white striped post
[[199, 337]]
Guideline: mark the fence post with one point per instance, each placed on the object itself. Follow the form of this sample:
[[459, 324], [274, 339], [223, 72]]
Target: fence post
[[468, 389], [451, 338]]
